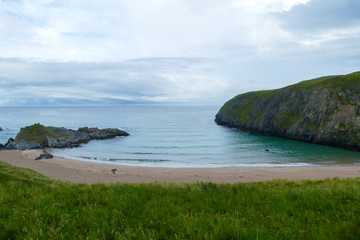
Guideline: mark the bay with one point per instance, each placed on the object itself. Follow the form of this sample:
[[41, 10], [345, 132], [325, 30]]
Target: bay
[[170, 136]]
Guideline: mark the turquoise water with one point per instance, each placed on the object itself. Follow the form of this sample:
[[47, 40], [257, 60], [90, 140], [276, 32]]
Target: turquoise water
[[170, 136]]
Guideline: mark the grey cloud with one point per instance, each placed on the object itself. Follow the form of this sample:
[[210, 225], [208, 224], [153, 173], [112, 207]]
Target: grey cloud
[[155, 80], [133, 80], [321, 30], [322, 14]]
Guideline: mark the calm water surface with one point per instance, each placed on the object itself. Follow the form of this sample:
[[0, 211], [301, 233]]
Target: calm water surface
[[170, 136]]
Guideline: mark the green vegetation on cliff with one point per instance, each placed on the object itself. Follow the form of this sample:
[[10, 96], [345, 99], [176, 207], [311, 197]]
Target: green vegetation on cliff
[[325, 110], [37, 207], [36, 133]]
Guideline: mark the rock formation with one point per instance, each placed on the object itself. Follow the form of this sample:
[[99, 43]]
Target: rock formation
[[38, 137], [45, 155], [324, 110]]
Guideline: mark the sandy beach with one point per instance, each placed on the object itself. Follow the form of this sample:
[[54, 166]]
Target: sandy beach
[[89, 173]]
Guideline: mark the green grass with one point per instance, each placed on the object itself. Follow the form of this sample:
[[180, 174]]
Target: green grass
[[36, 133], [336, 81], [35, 207]]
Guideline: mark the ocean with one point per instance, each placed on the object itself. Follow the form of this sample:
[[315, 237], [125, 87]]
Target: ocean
[[176, 136]]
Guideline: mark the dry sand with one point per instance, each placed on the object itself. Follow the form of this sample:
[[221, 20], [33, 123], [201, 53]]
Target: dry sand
[[87, 172]]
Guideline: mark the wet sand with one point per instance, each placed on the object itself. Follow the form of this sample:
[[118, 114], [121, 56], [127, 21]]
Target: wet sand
[[89, 173]]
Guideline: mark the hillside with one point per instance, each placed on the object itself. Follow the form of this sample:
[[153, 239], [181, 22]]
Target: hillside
[[325, 110]]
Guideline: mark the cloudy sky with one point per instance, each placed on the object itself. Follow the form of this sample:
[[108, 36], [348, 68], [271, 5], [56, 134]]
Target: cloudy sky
[[177, 51]]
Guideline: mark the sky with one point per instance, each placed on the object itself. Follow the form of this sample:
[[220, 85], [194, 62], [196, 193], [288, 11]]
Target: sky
[[64, 52]]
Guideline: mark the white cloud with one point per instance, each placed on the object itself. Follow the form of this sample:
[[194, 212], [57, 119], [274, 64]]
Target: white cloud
[[270, 5], [112, 30]]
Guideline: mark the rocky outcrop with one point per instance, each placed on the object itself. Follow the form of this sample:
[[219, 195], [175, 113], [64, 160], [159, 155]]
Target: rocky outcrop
[[324, 111], [21, 145], [39, 137]]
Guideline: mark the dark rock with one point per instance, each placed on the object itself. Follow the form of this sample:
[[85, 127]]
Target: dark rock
[[21, 145], [88, 130], [10, 141], [48, 155], [107, 133], [45, 155], [1, 129], [323, 111]]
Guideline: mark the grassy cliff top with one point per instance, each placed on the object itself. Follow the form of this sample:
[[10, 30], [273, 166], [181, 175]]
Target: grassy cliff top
[[336, 81], [35, 133], [345, 83]]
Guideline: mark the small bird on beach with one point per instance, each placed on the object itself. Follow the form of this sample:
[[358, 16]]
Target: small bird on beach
[[113, 170]]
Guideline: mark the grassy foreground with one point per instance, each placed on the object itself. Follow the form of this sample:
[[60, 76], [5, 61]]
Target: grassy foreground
[[35, 207]]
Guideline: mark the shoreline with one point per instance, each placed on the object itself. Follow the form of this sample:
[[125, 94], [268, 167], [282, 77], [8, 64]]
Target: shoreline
[[89, 173]]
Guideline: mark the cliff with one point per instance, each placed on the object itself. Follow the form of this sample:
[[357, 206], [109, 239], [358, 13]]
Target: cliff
[[325, 111], [38, 136]]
